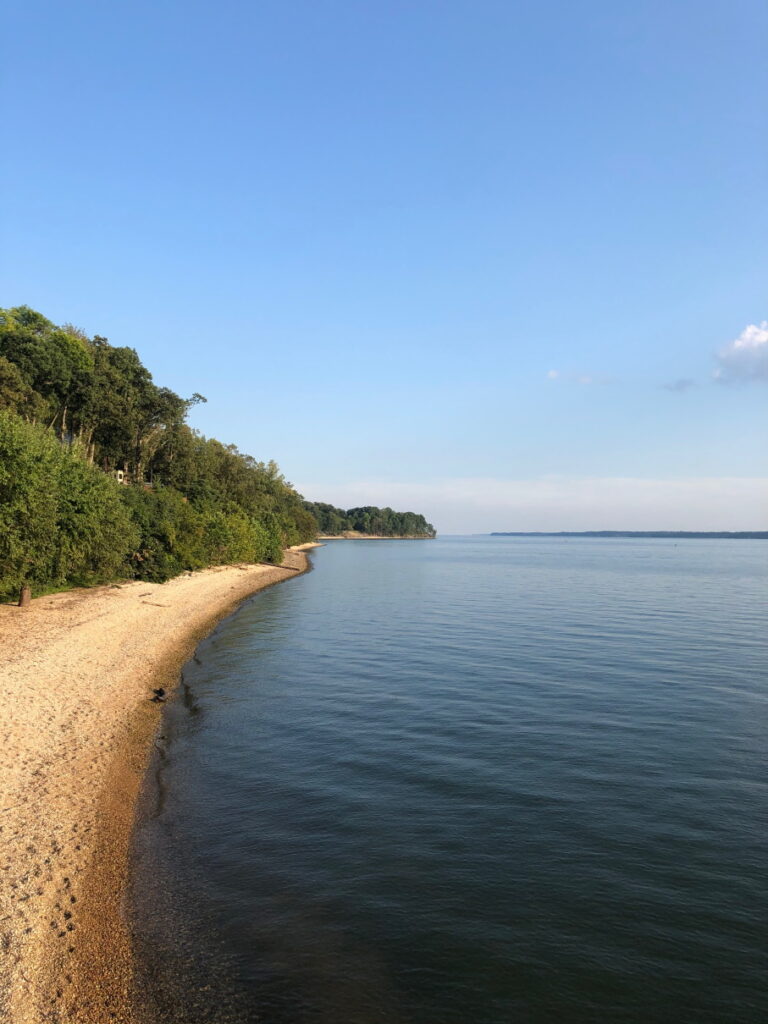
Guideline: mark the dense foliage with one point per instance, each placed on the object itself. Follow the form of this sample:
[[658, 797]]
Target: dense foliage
[[102, 478], [62, 521], [76, 413], [381, 522]]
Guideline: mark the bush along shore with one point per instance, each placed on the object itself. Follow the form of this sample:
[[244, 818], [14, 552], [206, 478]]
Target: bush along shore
[[102, 478]]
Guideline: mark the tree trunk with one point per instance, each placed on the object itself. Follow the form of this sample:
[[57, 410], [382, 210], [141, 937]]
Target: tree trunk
[[25, 597], [89, 446]]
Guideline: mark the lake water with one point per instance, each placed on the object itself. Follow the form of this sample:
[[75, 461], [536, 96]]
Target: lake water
[[469, 781]]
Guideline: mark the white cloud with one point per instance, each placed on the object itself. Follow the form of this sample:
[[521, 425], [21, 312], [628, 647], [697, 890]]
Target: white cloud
[[483, 504], [746, 357]]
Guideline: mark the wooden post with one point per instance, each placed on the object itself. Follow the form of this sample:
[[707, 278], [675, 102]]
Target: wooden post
[[25, 597]]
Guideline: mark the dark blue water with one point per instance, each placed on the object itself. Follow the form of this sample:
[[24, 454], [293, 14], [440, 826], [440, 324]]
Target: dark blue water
[[469, 781]]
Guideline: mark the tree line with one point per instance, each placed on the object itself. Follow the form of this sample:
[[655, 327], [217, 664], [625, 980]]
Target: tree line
[[102, 478], [382, 522]]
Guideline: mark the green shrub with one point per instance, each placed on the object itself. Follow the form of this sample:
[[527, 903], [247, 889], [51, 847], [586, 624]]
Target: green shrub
[[170, 533], [28, 504], [62, 522], [95, 530]]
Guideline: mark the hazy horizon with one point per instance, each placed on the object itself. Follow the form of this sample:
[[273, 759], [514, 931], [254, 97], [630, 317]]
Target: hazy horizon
[[483, 506]]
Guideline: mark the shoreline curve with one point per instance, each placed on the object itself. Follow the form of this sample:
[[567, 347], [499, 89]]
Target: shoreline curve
[[76, 675]]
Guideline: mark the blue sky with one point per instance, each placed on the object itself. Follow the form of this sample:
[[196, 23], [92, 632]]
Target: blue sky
[[483, 259]]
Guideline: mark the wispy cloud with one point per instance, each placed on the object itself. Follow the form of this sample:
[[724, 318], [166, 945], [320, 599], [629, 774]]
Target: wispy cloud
[[746, 357], [483, 504], [680, 385]]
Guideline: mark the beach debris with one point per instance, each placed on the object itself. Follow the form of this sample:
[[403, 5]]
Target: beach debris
[[159, 695]]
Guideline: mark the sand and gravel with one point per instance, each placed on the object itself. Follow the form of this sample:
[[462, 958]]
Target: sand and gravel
[[76, 727]]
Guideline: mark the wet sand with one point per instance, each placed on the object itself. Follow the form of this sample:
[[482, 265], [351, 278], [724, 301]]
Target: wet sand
[[77, 725]]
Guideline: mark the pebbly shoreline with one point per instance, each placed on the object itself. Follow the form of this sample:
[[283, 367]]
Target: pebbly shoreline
[[76, 729]]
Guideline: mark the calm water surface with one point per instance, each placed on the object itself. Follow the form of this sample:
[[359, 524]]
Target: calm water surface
[[469, 781]]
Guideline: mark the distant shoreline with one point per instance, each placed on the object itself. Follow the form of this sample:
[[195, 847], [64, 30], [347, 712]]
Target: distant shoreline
[[670, 534]]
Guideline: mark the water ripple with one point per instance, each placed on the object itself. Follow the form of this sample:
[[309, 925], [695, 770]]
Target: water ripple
[[474, 781]]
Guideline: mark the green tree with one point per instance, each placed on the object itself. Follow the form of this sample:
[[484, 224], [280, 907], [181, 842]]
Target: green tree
[[75, 409]]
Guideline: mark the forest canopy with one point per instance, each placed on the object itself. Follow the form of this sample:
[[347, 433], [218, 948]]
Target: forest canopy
[[379, 522], [102, 478]]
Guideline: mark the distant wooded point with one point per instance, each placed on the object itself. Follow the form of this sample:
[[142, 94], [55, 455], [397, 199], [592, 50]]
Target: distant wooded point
[[378, 522], [672, 534]]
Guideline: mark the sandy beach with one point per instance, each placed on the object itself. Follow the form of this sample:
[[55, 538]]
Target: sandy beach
[[354, 535], [76, 676]]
